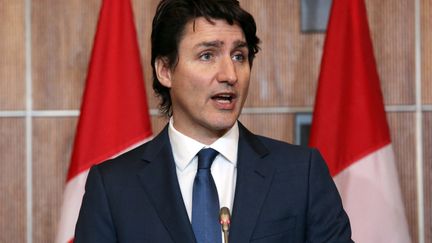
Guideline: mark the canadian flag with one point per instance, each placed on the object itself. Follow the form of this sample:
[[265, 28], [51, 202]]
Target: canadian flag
[[350, 129], [114, 113]]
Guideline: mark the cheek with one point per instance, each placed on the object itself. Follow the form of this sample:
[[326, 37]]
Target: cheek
[[195, 83], [192, 76], [245, 81], [243, 73], [187, 89]]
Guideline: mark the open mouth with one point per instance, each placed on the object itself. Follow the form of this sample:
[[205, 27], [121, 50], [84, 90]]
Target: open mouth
[[224, 98]]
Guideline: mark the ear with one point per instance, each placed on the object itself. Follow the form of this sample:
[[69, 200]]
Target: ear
[[163, 71]]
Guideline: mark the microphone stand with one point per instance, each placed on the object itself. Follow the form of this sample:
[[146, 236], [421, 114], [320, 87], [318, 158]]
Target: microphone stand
[[225, 236]]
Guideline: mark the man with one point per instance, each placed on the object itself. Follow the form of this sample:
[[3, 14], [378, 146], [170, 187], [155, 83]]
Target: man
[[202, 55]]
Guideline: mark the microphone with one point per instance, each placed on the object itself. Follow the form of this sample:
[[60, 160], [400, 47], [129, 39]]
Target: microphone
[[225, 221]]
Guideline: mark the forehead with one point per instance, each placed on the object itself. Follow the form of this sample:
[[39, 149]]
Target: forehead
[[201, 30]]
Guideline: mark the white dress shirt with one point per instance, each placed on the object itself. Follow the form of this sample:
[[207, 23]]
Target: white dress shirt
[[223, 169]]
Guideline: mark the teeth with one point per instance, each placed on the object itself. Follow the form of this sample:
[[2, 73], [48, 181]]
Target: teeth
[[223, 98], [224, 101]]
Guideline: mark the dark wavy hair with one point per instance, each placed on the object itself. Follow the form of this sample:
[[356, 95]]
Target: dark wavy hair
[[168, 27]]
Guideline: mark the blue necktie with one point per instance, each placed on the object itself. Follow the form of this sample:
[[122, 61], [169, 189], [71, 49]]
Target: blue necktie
[[205, 201]]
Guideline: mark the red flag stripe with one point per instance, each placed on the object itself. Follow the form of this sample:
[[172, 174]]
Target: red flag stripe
[[350, 129], [349, 120], [114, 113]]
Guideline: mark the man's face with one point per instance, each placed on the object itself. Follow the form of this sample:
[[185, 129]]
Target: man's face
[[210, 82]]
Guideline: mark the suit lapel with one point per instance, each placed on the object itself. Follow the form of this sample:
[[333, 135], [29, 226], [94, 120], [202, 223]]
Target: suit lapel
[[254, 178], [253, 182], [159, 179]]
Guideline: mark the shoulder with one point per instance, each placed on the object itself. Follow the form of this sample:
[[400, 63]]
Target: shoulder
[[274, 149], [124, 169], [261, 143], [280, 155], [134, 159], [121, 167], [282, 147], [286, 155]]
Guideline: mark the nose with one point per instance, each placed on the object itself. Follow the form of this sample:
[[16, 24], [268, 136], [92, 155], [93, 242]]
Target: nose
[[227, 71]]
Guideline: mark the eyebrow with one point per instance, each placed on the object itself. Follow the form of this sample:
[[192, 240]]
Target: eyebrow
[[217, 43], [240, 44]]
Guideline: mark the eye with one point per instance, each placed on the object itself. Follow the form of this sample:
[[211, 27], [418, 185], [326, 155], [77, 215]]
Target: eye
[[239, 57], [206, 56]]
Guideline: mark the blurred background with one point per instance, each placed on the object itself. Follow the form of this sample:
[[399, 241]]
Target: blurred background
[[44, 53]]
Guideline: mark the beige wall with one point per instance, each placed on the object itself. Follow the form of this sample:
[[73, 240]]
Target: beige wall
[[57, 44]]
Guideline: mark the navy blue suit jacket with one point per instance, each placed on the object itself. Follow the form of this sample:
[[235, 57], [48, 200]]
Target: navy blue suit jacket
[[284, 193]]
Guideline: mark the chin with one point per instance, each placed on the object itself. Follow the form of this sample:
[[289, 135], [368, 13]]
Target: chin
[[224, 123]]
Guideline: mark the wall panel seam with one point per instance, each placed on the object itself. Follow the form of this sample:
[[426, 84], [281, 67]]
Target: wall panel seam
[[28, 120], [246, 110], [418, 125]]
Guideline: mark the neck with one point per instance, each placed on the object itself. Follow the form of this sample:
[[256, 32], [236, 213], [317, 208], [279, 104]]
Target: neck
[[202, 135]]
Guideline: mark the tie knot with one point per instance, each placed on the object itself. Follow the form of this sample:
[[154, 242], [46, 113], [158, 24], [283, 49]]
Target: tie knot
[[206, 157]]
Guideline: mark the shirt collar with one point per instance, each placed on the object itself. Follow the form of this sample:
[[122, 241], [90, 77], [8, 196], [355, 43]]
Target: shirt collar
[[185, 148]]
